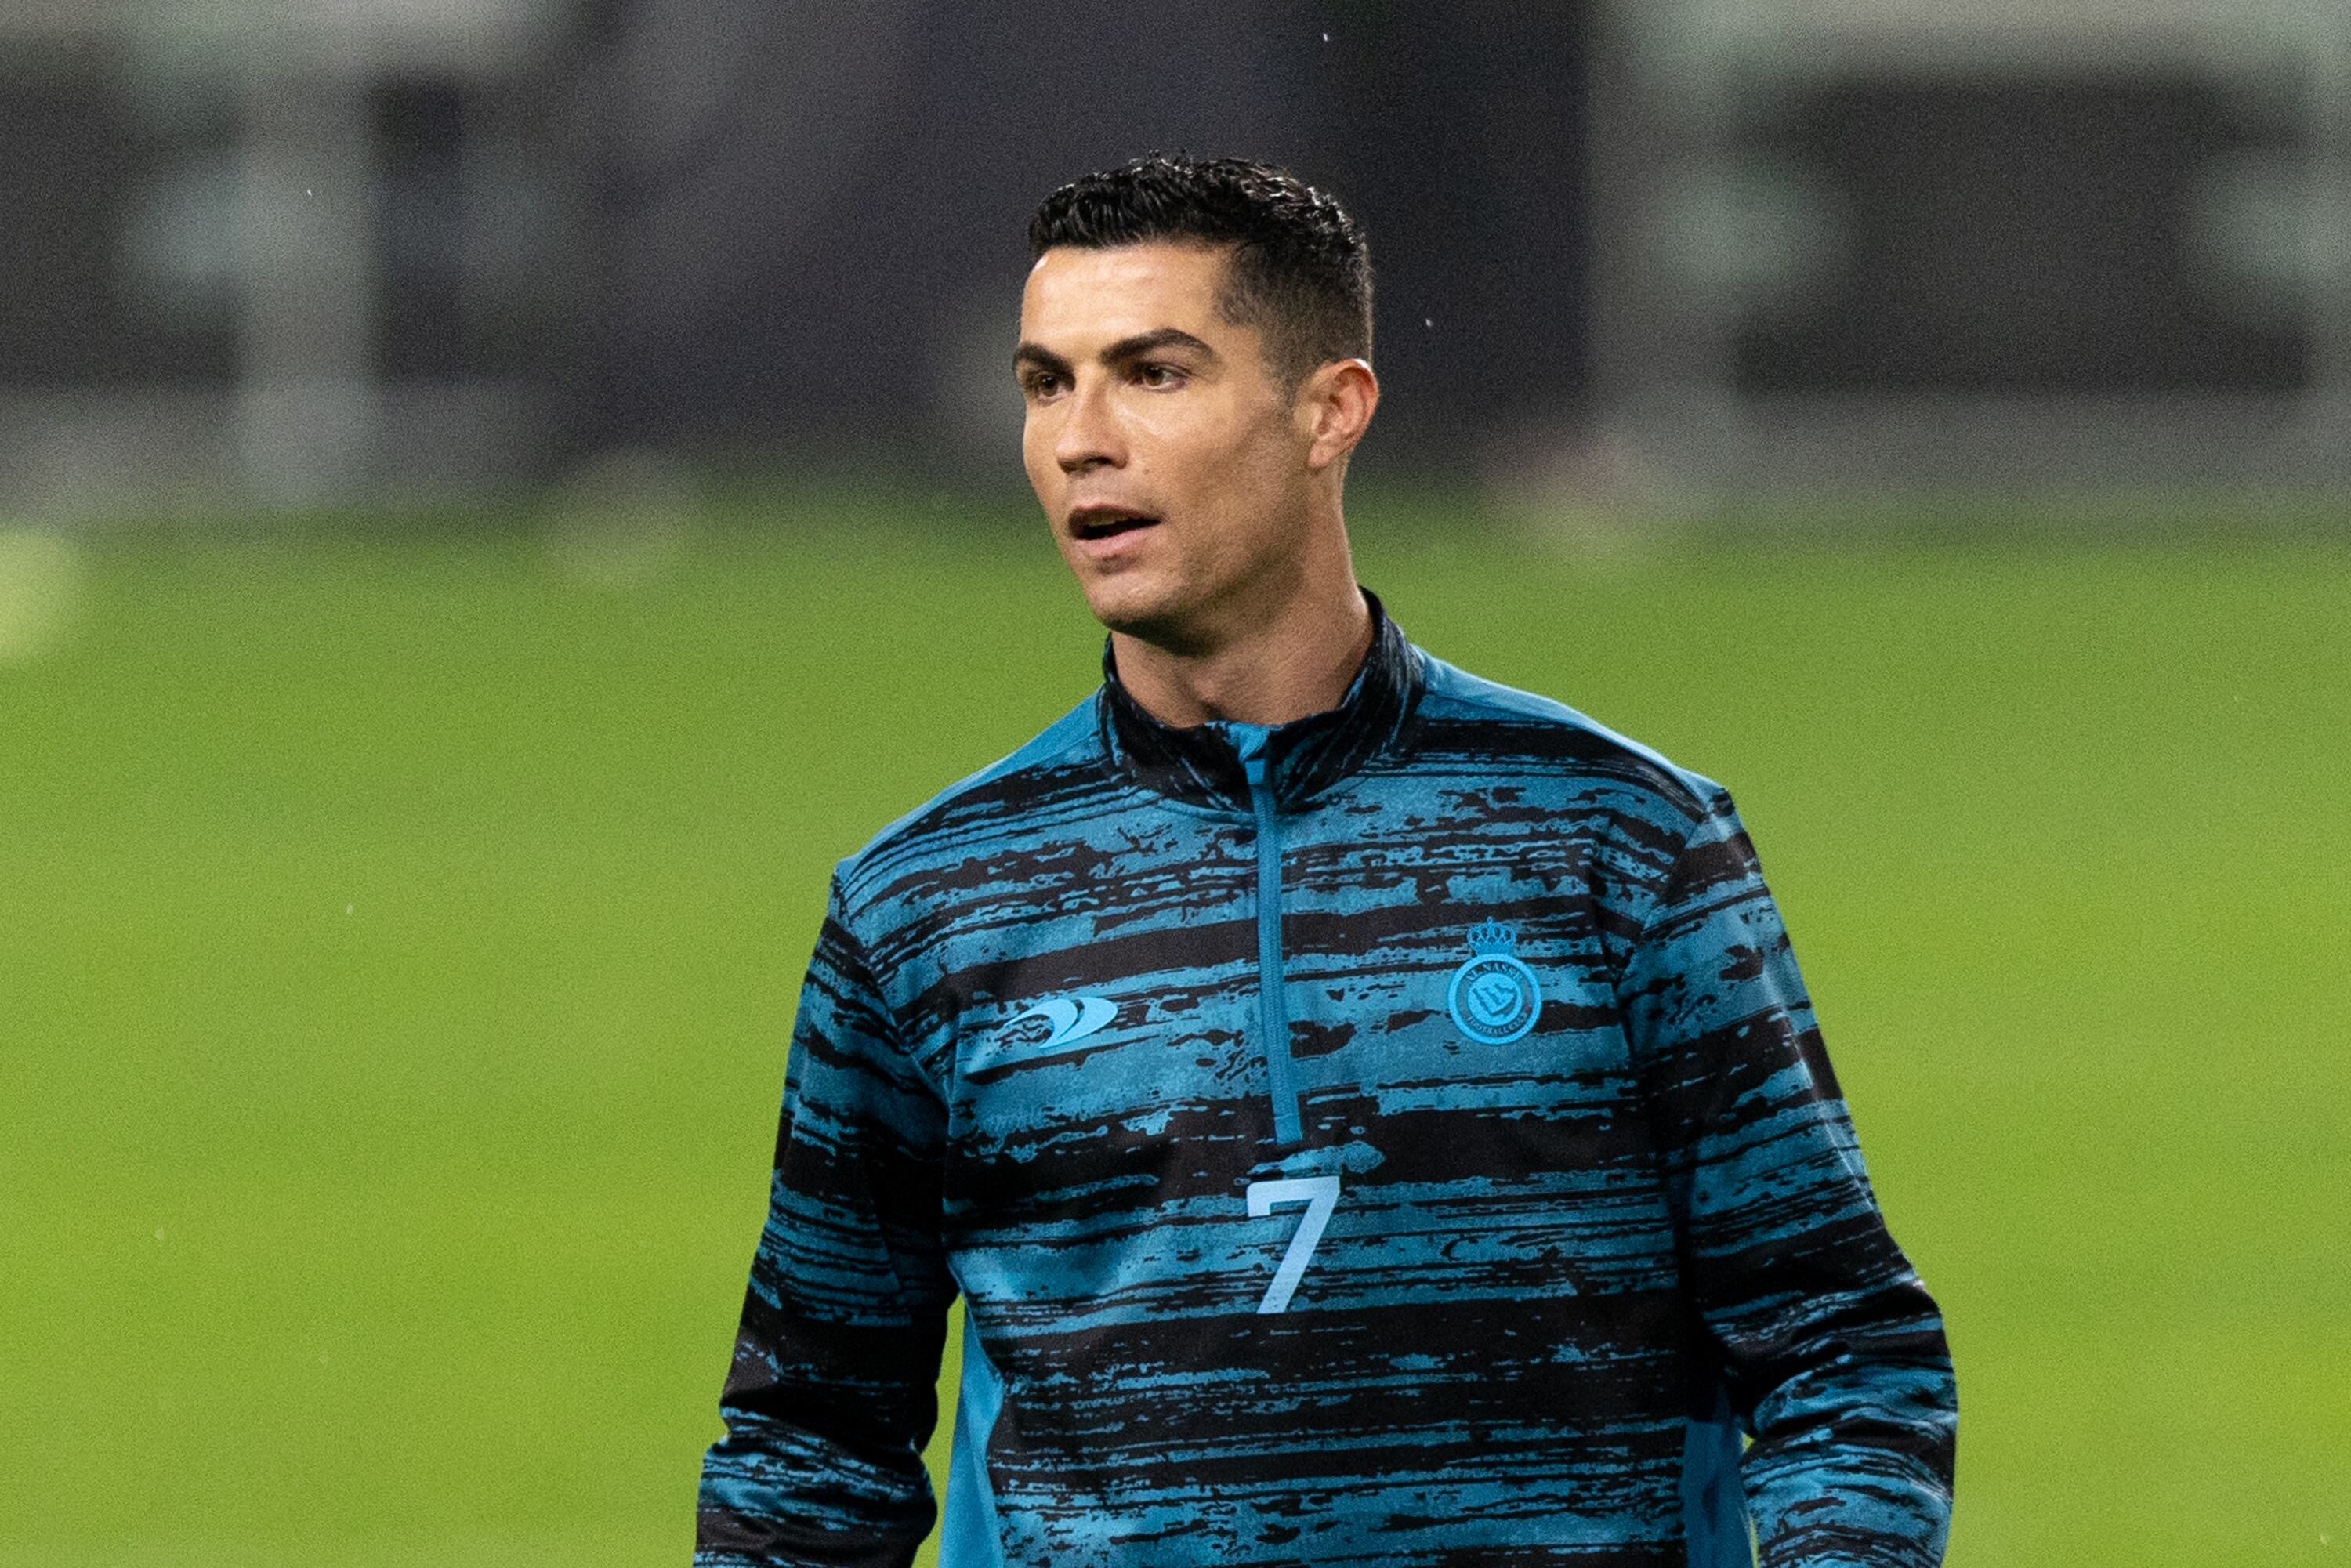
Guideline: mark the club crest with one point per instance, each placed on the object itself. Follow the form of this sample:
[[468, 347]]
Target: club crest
[[1494, 999]]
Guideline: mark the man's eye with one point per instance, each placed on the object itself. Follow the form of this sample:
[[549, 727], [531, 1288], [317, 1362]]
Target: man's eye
[[1161, 376], [1040, 384]]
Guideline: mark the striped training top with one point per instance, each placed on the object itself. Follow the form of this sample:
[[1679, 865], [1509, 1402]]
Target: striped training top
[[1396, 1137]]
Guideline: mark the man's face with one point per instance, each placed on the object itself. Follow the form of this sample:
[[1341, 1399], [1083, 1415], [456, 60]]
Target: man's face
[[1170, 462]]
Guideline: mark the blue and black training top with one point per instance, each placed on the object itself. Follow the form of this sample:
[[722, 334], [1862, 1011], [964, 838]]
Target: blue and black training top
[[1396, 1137]]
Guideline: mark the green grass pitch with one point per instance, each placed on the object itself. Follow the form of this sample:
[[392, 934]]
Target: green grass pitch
[[398, 941]]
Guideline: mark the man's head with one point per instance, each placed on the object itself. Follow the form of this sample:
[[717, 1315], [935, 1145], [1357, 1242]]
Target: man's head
[[1194, 356]]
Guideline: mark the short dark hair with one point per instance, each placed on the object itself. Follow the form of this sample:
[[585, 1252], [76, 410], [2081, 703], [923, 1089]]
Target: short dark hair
[[1301, 270]]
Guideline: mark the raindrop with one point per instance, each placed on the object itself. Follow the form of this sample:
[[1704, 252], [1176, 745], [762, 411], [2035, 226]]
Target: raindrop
[[1425, 321], [159, 1233], [349, 908]]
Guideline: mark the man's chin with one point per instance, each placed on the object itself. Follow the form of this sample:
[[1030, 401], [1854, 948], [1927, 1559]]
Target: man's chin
[[1134, 606]]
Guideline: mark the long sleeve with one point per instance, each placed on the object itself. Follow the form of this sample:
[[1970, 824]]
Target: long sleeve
[[830, 1399], [1832, 1354]]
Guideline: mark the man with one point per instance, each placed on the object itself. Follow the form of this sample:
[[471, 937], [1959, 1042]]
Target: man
[[1371, 1115]]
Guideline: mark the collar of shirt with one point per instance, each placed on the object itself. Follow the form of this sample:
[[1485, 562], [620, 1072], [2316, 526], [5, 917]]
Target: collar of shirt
[[1305, 757]]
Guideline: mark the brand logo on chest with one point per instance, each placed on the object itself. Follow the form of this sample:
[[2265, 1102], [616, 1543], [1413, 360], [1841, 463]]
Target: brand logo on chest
[[1056, 1021], [1494, 999]]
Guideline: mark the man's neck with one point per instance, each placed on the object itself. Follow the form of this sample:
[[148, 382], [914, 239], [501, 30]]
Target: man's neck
[[1296, 663]]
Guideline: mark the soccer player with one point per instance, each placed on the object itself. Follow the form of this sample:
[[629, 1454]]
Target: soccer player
[[1371, 1115]]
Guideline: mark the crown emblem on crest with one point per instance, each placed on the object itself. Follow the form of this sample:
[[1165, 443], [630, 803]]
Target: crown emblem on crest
[[1489, 936]]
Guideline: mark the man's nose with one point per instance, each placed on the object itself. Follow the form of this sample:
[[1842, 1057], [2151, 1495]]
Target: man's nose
[[1090, 435]]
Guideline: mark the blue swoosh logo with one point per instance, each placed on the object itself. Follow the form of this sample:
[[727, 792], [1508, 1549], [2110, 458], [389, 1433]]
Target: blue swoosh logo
[[1072, 1019]]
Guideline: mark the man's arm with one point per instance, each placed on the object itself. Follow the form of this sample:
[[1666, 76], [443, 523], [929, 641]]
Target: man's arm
[[830, 1399], [1833, 1353]]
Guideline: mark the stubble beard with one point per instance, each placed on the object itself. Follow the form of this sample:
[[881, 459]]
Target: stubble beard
[[1197, 606]]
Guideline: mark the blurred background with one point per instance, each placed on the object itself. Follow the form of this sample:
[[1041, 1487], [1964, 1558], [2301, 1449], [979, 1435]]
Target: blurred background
[[497, 495]]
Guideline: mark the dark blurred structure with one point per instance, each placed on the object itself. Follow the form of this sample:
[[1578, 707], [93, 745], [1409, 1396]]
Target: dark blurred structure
[[293, 251], [819, 215], [305, 253], [2072, 242]]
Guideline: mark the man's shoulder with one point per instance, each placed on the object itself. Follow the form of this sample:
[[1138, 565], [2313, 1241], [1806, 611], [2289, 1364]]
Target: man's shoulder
[[1484, 721], [1025, 780]]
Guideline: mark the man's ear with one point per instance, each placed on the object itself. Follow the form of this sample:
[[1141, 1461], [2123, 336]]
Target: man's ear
[[1334, 408]]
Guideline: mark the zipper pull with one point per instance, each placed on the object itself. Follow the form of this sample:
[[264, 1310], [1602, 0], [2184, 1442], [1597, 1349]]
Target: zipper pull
[[1249, 742]]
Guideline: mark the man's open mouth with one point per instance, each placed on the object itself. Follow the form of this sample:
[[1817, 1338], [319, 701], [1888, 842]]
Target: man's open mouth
[[1106, 525]]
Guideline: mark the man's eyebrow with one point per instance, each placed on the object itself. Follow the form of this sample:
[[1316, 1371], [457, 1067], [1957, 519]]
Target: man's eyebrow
[[1141, 343], [1123, 352], [1043, 358]]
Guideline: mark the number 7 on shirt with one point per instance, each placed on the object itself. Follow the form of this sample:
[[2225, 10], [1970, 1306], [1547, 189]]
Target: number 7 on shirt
[[1320, 1194]]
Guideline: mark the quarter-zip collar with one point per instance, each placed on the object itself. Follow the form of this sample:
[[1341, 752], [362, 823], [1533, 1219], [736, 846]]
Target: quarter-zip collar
[[1303, 758]]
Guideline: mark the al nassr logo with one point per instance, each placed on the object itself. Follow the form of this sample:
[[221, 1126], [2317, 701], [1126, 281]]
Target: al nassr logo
[[1494, 997]]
